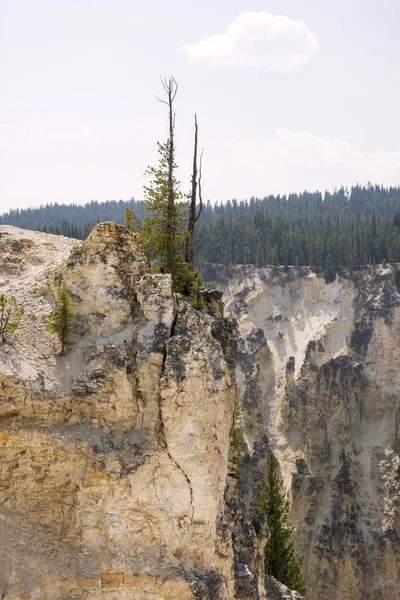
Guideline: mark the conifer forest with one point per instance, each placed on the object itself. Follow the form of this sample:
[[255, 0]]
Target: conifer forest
[[330, 231]]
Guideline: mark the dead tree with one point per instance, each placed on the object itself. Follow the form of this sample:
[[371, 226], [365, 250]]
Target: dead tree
[[171, 88], [193, 217]]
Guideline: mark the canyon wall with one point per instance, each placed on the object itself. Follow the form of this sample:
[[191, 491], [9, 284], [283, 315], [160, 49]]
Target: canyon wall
[[118, 477], [319, 375]]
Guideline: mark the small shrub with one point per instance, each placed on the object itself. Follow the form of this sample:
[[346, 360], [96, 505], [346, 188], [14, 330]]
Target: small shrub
[[194, 286], [11, 314]]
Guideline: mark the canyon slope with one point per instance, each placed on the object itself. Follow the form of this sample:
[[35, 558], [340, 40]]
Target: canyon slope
[[319, 373]]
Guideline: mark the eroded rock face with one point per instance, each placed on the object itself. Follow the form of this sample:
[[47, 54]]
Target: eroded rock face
[[113, 458], [319, 375]]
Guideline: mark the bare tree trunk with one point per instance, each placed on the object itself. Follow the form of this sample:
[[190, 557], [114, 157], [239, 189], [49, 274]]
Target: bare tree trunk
[[193, 202], [171, 88], [193, 218]]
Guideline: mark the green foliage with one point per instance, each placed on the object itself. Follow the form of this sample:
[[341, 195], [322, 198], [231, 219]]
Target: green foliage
[[163, 232], [198, 303], [281, 560], [194, 285], [10, 316], [348, 228], [130, 220], [61, 321]]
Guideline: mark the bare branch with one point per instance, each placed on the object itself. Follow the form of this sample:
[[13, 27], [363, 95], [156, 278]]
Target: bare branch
[[170, 87], [200, 196], [162, 101]]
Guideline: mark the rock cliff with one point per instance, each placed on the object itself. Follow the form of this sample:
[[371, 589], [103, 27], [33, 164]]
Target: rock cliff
[[114, 458], [319, 376]]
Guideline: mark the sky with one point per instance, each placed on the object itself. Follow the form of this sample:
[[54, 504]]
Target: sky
[[290, 95]]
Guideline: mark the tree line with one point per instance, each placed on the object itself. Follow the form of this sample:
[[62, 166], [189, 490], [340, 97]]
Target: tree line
[[71, 220], [325, 243], [345, 228]]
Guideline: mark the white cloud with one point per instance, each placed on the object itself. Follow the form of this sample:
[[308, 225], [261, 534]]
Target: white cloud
[[258, 39], [292, 161], [82, 134]]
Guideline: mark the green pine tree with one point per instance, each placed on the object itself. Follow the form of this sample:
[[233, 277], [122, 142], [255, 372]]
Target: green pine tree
[[130, 219], [163, 244], [281, 560], [61, 321], [163, 234], [10, 316]]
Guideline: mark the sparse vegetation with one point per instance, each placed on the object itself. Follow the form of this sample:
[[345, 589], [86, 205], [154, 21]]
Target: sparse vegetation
[[11, 314], [195, 285], [61, 321]]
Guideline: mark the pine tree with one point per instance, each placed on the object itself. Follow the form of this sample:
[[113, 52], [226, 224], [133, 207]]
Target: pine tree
[[163, 228], [10, 316], [281, 560], [130, 219], [61, 321], [161, 243]]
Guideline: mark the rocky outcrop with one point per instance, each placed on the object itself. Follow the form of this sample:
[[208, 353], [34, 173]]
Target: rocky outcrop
[[278, 591], [319, 378], [114, 458]]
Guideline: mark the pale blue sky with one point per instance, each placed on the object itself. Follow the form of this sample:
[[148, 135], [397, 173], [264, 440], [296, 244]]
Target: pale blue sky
[[308, 100]]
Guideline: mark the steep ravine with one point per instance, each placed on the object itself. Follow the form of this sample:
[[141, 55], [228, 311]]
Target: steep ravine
[[319, 374]]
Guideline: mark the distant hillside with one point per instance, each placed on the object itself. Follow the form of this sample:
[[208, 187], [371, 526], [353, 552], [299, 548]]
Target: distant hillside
[[71, 220], [328, 231]]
